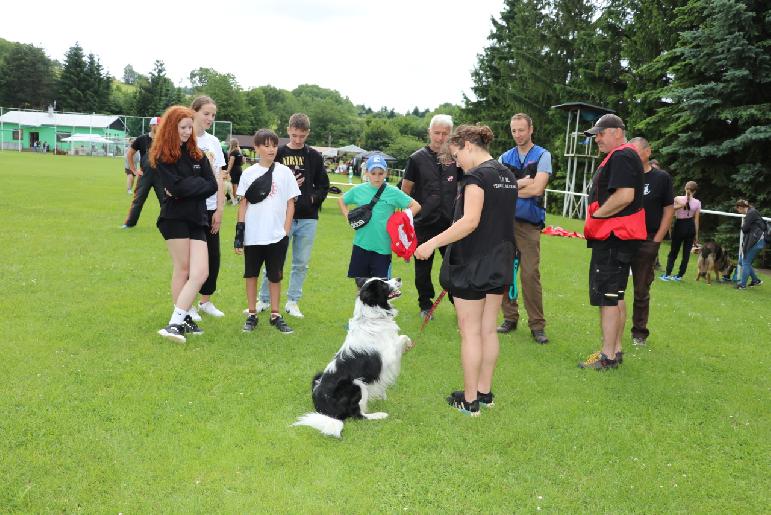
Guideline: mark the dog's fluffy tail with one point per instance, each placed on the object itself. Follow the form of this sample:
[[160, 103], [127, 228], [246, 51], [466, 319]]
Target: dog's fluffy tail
[[326, 424]]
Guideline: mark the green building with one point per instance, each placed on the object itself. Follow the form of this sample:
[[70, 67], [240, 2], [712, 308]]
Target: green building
[[25, 130]]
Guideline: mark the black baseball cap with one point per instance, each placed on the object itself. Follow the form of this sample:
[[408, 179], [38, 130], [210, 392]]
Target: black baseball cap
[[606, 121]]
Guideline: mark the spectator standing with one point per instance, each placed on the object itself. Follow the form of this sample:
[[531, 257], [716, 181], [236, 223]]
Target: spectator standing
[[754, 240], [685, 231], [147, 177], [434, 185], [130, 175], [658, 201], [235, 164], [531, 166]]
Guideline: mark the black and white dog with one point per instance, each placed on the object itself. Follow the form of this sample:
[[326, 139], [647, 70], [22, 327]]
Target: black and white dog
[[368, 362]]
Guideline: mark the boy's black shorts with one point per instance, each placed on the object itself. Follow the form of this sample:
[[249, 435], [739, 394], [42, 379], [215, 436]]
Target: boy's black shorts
[[609, 273], [272, 255], [476, 295], [366, 263], [180, 229]]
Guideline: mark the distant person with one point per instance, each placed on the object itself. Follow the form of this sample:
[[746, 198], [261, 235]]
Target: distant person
[[307, 165], [685, 231], [658, 201], [477, 265], [262, 231], [531, 165], [130, 175], [147, 177], [614, 229], [187, 179], [434, 185], [235, 164], [371, 253], [754, 240]]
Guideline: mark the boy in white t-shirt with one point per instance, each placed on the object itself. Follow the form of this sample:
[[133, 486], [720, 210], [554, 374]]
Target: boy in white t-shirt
[[262, 228]]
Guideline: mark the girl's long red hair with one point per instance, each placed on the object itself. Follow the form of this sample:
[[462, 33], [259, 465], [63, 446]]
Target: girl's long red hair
[[166, 147]]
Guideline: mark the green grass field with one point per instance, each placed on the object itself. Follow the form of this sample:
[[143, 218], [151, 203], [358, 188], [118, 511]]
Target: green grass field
[[98, 414]]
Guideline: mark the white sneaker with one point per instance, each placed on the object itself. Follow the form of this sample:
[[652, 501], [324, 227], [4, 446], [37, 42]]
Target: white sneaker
[[293, 309], [194, 314], [210, 309], [261, 306]]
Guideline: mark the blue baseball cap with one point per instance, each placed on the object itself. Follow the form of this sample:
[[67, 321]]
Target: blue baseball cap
[[376, 161]]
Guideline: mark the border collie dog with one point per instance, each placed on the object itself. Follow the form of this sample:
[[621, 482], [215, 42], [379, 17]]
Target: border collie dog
[[368, 362]]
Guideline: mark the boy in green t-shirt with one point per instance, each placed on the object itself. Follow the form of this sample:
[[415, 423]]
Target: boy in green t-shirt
[[371, 255]]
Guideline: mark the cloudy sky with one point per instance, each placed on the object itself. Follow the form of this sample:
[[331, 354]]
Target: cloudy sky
[[394, 53]]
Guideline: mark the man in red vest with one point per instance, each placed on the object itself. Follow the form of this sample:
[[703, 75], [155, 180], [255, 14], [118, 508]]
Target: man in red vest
[[615, 226]]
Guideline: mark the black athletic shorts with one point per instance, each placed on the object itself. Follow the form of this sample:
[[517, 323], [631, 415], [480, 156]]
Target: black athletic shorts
[[367, 263], [180, 229], [272, 255], [475, 295], [609, 274]]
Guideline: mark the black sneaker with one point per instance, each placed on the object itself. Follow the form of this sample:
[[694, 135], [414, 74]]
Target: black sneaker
[[278, 323], [755, 283], [507, 326], [539, 336], [191, 327], [426, 313], [598, 361], [250, 324], [174, 332], [460, 403], [485, 399]]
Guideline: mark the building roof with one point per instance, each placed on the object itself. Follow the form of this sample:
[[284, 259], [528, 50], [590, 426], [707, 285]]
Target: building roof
[[38, 119]]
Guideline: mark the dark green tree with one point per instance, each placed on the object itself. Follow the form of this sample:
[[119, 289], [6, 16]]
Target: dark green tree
[[156, 93], [258, 110], [72, 87], [716, 126], [225, 91], [98, 86], [130, 76], [26, 78]]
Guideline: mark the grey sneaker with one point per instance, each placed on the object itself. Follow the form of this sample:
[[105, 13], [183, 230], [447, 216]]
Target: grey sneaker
[[539, 335], [279, 323], [191, 327], [250, 324], [507, 326], [174, 332], [638, 341], [425, 313]]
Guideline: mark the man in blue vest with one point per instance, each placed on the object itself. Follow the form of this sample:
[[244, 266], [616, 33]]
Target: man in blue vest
[[531, 165]]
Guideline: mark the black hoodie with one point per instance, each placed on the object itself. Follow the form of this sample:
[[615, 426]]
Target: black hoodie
[[309, 163]]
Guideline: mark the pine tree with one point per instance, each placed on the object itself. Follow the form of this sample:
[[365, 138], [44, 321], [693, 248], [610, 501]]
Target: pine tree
[[72, 85], [26, 78], [716, 127], [157, 93], [98, 86]]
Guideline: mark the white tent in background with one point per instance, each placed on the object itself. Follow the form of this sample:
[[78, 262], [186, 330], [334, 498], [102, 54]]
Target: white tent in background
[[87, 138]]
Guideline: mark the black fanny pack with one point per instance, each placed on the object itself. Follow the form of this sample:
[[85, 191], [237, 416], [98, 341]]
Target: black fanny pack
[[261, 187], [361, 216]]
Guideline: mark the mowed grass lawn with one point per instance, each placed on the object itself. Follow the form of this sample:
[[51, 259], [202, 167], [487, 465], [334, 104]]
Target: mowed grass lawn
[[99, 414]]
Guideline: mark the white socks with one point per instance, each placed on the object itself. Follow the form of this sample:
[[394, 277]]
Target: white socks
[[177, 316]]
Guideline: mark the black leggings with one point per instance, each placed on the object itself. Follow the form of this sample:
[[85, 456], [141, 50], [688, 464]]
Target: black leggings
[[683, 235], [213, 244]]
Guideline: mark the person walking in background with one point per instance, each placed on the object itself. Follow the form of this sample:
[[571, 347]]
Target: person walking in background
[[307, 164], [658, 201], [147, 177], [130, 170], [187, 178], [477, 265], [205, 111], [755, 230], [235, 163], [685, 231], [614, 228], [531, 165], [434, 185]]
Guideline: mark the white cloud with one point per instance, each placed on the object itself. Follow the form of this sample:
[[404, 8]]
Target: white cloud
[[398, 54]]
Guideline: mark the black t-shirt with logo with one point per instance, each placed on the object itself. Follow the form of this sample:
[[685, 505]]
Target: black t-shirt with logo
[[657, 194], [497, 221]]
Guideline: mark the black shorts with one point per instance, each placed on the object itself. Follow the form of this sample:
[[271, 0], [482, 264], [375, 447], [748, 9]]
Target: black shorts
[[180, 229], [367, 263], [476, 295], [272, 255], [609, 274]]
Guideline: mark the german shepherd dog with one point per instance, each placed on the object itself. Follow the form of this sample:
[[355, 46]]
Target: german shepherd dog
[[712, 258]]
